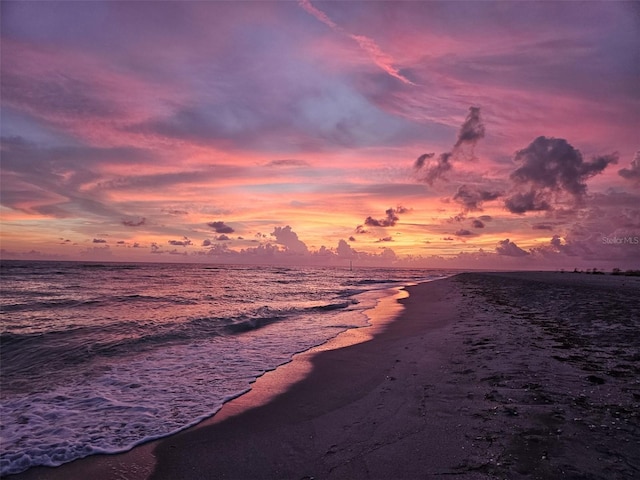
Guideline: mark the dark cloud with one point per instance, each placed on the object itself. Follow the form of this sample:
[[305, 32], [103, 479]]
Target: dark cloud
[[477, 223], [464, 233], [360, 229], [180, 243], [134, 223], [471, 198], [384, 239], [530, 201], [549, 168], [121, 242], [206, 242], [390, 220], [472, 129], [222, 238], [99, 240], [221, 227], [554, 247], [448, 239], [421, 159], [633, 172], [485, 218], [542, 226], [510, 249], [435, 170], [470, 132], [352, 239], [556, 242]]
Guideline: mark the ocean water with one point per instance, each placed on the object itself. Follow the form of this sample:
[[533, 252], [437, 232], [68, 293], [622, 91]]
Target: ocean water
[[98, 358]]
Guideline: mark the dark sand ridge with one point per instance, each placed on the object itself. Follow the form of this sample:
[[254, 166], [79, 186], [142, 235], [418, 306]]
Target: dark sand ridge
[[528, 375]]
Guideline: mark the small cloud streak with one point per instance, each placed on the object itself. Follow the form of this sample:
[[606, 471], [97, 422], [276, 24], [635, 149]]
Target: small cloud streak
[[384, 61], [542, 226], [134, 223], [185, 242]]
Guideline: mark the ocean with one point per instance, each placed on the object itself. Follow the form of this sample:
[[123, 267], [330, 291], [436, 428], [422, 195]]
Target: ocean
[[98, 358]]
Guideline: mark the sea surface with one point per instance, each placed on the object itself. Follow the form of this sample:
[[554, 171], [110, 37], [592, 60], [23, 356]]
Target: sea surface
[[98, 358]]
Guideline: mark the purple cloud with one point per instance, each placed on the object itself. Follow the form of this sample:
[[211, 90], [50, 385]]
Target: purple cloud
[[390, 220], [133, 223], [180, 243], [221, 227], [542, 226], [633, 172], [530, 201], [471, 130], [287, 237], [434, 170], [550, 167], [421, 159], [510, 249], [472, 198]]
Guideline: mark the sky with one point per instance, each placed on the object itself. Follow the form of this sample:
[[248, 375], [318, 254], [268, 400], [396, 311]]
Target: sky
[[501, 135]]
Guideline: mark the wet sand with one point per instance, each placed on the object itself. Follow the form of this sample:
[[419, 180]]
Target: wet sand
[[522, 375]]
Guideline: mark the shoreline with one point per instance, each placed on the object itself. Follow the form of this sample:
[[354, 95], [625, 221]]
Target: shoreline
[[481, 375], [138, 463]]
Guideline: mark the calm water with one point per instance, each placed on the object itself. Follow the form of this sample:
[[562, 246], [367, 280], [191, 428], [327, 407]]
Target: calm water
[[98, 358]]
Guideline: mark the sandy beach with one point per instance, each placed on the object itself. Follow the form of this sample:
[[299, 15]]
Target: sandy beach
[[481, 375]]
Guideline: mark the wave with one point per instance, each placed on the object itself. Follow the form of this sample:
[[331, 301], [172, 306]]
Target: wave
[[91, 302], [31, 354], [66, 303], [334, 306], [373, 281]]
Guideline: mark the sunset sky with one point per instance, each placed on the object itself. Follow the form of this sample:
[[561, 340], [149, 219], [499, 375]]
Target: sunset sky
[[436, 134]]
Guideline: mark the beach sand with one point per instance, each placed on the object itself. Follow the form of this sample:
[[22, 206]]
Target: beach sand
[[482, 375]]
